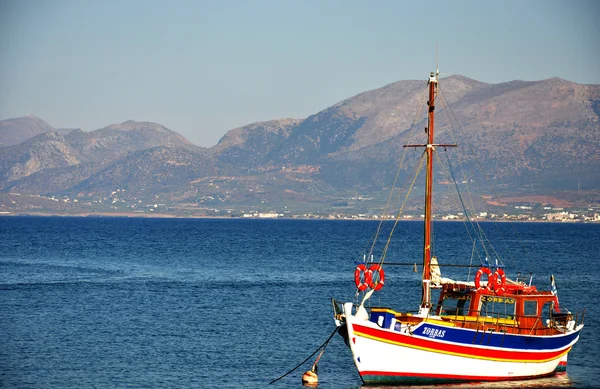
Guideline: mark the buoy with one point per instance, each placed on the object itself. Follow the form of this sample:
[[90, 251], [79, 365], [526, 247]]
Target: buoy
[[310, 378]]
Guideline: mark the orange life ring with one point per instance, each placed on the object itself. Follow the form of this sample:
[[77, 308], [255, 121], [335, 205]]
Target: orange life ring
[[499, 282], [362, 285], [481, 288], [379, 269]]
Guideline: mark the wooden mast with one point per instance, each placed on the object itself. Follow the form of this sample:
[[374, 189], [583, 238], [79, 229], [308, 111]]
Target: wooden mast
[[426, 294], [429, 149]]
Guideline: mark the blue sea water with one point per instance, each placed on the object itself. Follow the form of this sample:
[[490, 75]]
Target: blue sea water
[[197, 303]]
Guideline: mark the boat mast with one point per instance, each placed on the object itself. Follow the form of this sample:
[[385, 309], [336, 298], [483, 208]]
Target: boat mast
[[426, 294], [429, 149]]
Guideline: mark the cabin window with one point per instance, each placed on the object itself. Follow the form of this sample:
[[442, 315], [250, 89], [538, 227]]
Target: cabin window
[[530, 308], [497, 307], [455, 305]]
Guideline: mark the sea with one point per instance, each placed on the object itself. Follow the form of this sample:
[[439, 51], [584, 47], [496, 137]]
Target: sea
[[116, 302]]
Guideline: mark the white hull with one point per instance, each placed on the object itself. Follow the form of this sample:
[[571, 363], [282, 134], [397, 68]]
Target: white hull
[[388, 356]]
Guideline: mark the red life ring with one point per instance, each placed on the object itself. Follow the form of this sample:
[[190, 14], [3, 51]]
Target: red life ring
[[499, 282], [488, 272], [362, 285], [379, 269]]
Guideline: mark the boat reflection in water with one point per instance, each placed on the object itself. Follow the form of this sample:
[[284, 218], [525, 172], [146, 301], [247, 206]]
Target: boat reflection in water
[[559, 380]]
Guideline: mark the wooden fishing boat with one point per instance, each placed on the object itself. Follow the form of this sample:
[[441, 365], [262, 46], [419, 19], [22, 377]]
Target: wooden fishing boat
[[490, 328]]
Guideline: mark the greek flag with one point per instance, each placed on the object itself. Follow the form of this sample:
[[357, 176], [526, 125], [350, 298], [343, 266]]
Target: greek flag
[[554, 291]]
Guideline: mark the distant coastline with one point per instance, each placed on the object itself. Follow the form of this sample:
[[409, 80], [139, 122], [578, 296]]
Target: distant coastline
[[291, 217]]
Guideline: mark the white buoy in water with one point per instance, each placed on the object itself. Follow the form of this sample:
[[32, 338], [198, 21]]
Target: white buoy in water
[[310, 378]]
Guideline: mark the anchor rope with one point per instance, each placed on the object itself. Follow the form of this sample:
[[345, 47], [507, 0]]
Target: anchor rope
[[310, 356]]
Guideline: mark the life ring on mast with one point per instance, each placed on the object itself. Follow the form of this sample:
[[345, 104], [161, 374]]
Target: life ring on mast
[[499, 282], [482, 271], [364, 283], [376, 268]]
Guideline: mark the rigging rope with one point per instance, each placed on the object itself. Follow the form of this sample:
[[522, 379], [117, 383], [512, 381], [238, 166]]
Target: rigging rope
[[478, 231], [412, 184], [487, 180], [397, 219], [471, 237], [375, 236], [412, 135], [483, 238]]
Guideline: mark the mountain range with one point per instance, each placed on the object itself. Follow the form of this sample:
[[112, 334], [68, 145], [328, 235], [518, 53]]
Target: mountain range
[[533, 139]]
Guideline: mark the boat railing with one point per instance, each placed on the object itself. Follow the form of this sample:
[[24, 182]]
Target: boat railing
[[491, 321], [468, 315], [577, 318], [517, 324]]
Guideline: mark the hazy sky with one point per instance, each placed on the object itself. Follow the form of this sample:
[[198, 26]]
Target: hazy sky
[[202, 68]]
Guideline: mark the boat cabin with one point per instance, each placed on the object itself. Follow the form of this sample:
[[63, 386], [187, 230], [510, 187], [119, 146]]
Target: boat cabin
[[520, 308]]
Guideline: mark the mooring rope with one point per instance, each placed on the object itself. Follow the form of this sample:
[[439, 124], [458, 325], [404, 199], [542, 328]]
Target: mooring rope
[[310, 356]]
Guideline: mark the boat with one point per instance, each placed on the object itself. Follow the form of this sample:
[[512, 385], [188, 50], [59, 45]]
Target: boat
[[490, 328]]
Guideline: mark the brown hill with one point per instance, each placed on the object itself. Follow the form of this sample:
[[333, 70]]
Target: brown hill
[[47, 150], [545, 132], [117, 140], [537, 137], [18, 130]]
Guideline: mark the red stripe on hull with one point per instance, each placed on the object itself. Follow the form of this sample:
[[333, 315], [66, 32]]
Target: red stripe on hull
[[441, 377], [472, 352]]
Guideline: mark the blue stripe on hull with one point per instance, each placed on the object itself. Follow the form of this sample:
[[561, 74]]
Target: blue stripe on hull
[[495, 339]]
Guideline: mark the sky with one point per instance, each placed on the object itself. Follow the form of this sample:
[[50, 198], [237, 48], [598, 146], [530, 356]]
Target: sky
[[202, 68]]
